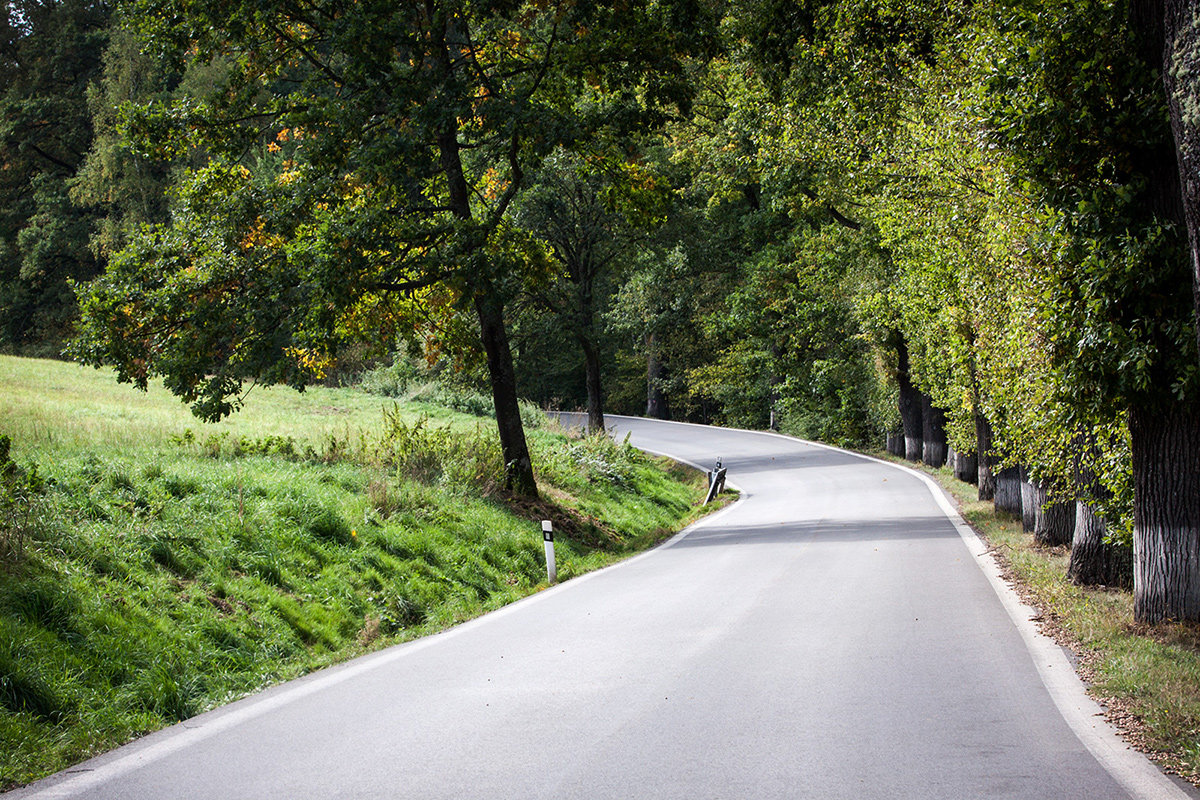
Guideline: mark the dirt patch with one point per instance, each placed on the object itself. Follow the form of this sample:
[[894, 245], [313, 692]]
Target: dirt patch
[[329, 410], [568, 522]]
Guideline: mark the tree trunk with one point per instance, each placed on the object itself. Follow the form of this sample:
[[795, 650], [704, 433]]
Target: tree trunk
[[595, 392], [1054, 525], [775, 380], [1032, 497], [489, 304], [986, 460], [966, 467], [656, 374], [910, 405], [933, 433], [1179, 46], [518, 467], [895, 443], [1166, 512], [1166, 442], [1094, 561], [1008, 492]]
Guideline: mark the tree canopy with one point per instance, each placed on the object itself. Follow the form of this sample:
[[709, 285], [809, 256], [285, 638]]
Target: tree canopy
[[963, 230]]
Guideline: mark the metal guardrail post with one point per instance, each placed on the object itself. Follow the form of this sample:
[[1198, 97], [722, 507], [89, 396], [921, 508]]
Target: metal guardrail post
[[716, 482]]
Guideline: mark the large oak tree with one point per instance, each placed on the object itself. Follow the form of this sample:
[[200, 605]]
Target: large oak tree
[[360, 154]]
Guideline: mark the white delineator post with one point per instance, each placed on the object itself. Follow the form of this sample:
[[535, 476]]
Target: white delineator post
[[548, 541]]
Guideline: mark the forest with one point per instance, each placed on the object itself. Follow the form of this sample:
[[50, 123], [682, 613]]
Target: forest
[[966, 232]]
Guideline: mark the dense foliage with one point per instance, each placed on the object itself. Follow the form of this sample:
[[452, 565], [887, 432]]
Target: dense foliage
[[958, 230]]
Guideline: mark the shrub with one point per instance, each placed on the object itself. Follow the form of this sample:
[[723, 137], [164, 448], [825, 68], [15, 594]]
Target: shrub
[[429, 455], [392, 380], [601, 459]]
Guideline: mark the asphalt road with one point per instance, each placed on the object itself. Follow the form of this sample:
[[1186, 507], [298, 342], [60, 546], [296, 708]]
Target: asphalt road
[[832, 635]]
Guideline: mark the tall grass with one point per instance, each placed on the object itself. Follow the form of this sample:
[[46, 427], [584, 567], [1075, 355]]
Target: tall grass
[[173, 566]]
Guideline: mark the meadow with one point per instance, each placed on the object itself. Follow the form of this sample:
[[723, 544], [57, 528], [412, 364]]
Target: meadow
[[153, 566]]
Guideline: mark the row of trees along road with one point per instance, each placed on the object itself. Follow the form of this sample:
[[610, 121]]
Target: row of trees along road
[[967, 230]]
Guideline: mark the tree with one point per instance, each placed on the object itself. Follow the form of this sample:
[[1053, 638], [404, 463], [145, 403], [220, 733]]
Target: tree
[[1170, 30], [1079, 107], [591, 210], [49, 51], [360, 154], [127, 189]]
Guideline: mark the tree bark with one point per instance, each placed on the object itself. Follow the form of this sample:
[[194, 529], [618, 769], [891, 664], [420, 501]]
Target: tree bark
[[1054, 523], [518, 466], [656, 372], [910, 405], [1166, 512], [1178, 41], [933, 433], [895, 443], [1008, 492], [966, 467], [985, 459], [1031, 500], [595, 392], [1095, 561]]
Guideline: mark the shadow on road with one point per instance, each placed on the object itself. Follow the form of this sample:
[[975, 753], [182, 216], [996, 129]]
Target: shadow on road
[[822, 531]]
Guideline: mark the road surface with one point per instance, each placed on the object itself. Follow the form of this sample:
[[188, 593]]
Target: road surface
[[832, 635]]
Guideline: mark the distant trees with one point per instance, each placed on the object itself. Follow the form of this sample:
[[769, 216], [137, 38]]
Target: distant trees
[[591, 211], [49, 52]]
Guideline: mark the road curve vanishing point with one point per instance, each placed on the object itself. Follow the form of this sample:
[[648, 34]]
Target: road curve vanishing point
[[837, 633]]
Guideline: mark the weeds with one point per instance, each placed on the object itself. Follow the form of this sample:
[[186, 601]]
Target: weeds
[[602, 459], [416, 451], [20, 502], [421, 453]]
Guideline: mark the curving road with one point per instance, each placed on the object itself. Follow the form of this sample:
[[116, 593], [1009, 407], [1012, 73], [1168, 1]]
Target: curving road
[[835, 634]]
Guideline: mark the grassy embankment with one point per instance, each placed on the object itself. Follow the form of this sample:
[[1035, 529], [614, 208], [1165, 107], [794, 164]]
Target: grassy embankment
[[1147, 678], [172, 566]]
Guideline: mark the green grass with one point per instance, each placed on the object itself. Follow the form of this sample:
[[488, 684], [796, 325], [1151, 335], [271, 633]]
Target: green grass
[[178, 565], [1148, 678]]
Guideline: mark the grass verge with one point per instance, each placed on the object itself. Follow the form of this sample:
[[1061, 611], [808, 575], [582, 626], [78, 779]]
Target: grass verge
[[1146, 678], [174, 566]]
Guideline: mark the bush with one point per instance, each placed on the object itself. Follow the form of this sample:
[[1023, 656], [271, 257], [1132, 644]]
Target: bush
[[392, 380], [594, 459], [431, 455], [602, 460]]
